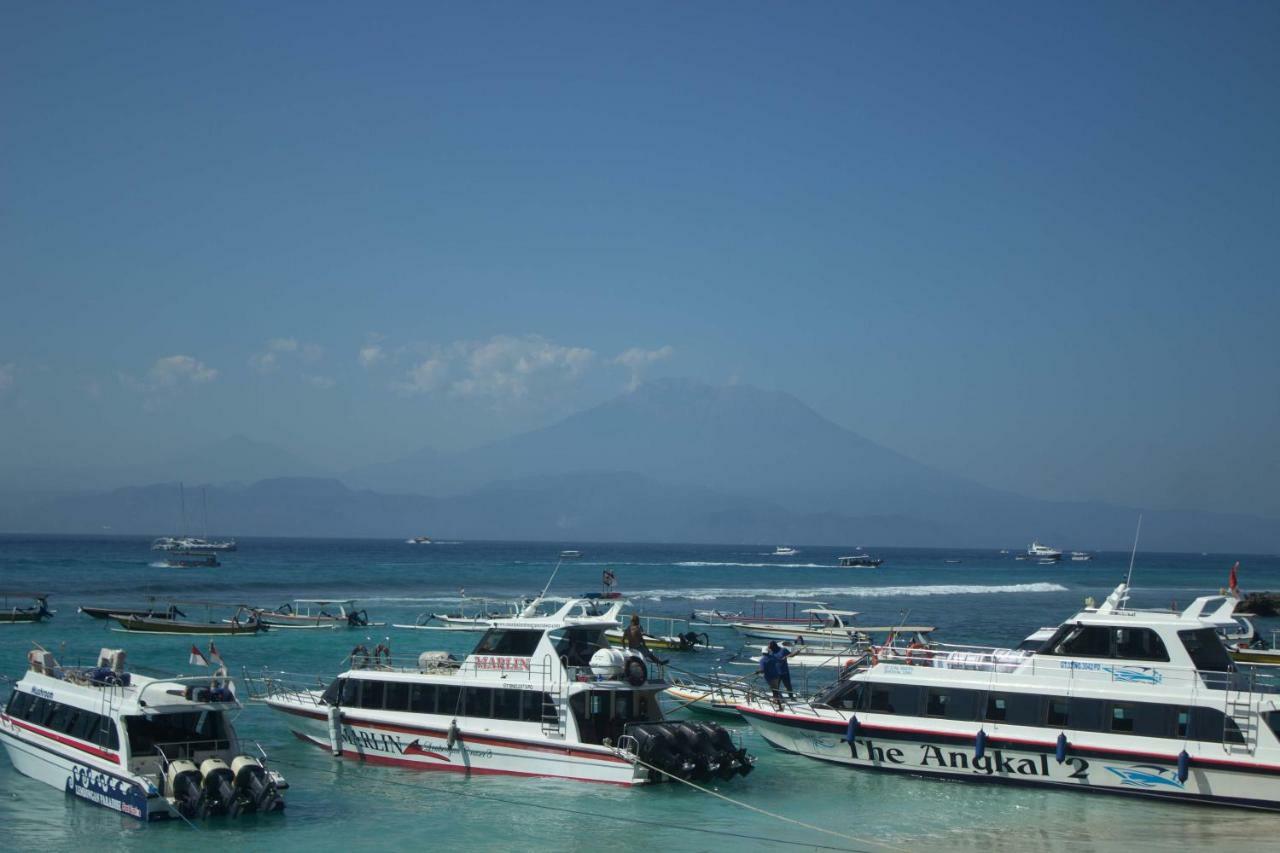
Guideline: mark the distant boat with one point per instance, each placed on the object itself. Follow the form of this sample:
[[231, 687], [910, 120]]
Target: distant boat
[[785, 551], [419, 540], [12, 613], [1043, 552], [192, 543], [953, 561], [571, 555], [860, 561], [1080, 557]]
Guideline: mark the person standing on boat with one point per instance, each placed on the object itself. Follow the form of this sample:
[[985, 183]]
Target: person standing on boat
[[771, 666], [633, 639]]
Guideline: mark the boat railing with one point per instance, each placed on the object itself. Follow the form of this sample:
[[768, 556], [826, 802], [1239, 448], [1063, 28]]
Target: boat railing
[[274, 684], [1052, 668]]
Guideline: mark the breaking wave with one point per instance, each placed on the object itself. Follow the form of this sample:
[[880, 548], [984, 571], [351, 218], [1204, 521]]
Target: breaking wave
[[713, 593], [769, 565]]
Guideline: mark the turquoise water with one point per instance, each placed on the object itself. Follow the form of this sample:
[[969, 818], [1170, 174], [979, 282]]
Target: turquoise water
[[339, 805]]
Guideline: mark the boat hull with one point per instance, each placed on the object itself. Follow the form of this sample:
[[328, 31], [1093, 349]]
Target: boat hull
[[942, 755], [784, 632], [83, 780], [173, 626], [426, 747]]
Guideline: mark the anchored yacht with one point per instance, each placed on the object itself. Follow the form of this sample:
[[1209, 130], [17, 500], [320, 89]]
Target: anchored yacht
[[1043, 552], [1138, 702], [149, 748], [538, 696]]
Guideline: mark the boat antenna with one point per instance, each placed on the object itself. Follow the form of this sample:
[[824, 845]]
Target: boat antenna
[[182, 495], [204, 496], [1133, 553], [543, 594]]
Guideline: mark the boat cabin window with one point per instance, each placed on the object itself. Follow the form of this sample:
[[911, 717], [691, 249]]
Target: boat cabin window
[[576, 645], [1018, 709], [1206, 650], [1057, 712], [498, 641], [64, 719], [1273, 721], [1139, 644], [178, 734], [847, 696], [1082, 641], [951, 704], [397, 698], [895, 699]]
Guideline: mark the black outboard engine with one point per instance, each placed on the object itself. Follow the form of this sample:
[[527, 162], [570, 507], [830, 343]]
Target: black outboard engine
[[657, 746], [255, 792], [698, 747], [183, 778], [732, 758], [358, 619], [218, 784]]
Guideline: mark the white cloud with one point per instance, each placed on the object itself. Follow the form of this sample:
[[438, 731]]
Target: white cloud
[[277, 349], [7, 372], [502, 368], [637, 360], [371, 355], [174, 370]]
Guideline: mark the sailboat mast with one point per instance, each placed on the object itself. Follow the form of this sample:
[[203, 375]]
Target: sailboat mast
[[204, 496], [182, 495]]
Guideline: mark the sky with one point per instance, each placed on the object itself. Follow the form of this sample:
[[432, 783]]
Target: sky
[[1032, 244]]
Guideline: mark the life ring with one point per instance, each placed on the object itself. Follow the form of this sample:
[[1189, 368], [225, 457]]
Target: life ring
[[911, 652], [635, 672], [380, 651]]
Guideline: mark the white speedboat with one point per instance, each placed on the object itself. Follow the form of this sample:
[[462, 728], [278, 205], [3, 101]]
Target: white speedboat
[[146, 747], [1043, 552], [1081, 557], [1139, 702], [419, 540], [785, 551], [536, 697], [571, 555]]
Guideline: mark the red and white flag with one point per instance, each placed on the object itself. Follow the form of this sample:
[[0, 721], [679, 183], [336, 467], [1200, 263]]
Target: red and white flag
[[198, 659], [1232, 581], [213, 654]]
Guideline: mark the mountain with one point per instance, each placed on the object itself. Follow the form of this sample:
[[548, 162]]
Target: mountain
[[670, 461]]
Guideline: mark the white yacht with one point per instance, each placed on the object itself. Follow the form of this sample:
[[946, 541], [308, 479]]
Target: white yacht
[[149, 748], [1043, 552], [419, 540], [1138, 702], [541, 696], [785, 551]]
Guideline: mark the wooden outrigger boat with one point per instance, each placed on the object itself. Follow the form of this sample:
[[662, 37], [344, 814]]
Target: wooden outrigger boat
[[153, 612], [314, 613], [245, 621], [12, 614], [662, 632]]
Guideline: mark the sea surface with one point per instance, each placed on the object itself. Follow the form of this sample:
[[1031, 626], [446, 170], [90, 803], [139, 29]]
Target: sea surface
[[341, 806]]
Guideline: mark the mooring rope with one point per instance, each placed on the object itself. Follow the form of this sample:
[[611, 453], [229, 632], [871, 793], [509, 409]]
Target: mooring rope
[[598, 816], [759, 810]]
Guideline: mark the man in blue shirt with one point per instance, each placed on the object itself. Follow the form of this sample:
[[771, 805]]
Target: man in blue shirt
[[773, 665]]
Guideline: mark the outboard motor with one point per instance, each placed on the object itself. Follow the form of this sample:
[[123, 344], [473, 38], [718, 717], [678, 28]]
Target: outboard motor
[[733, 758], [656, 745], [183, 783], [218, 785], [698, 748], [358, 619], [255, 792]]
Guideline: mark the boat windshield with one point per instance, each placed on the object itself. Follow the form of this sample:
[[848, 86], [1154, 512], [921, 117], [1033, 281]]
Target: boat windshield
[[577, 645], [1206, 650], [518, 643], [179, 734]]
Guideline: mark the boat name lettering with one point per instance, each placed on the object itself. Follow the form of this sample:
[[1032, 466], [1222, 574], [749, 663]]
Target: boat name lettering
[[899, 669], [503, 663], [995, 762], [106, 790], [1079, 664], [389, 743], [47, 694]]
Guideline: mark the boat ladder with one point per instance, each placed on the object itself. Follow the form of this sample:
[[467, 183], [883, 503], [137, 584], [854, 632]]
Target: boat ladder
[[1240, 711], [553, 713]]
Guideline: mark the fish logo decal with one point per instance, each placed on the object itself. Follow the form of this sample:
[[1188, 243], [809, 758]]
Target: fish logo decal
[[416, 748], [1135, 674], [1147, 776]]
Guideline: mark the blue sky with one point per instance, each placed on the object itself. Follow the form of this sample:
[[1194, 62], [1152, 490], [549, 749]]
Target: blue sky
[[1035, 244]]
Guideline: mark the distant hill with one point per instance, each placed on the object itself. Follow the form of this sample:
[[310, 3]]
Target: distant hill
[[671, 461]]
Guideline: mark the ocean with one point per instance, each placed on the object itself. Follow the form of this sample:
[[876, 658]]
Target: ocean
[[340, 805]]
